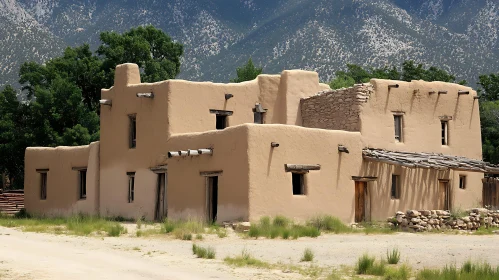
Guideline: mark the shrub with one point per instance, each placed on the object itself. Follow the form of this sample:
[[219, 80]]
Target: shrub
[[308, 255], [116, 230], [329, 224], [393, 257], [280, 221], [203, 253], [364, 264], [281, 226], [469, 271], [222, 233], [183, 229], [245, 259], [22, 214]]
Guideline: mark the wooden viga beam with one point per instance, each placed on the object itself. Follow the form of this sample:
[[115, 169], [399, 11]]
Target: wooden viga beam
[[301, 167]]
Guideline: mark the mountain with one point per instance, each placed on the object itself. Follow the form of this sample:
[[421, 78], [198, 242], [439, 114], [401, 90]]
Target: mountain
[[460, 36]]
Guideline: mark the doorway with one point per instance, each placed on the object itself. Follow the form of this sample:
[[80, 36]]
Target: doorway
[[362, 202], [443, 195], [212, 199], [161, 211]]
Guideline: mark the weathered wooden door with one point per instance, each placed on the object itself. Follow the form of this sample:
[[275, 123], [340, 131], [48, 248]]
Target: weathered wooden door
[[360, 201], [161, 208], [443, 195]]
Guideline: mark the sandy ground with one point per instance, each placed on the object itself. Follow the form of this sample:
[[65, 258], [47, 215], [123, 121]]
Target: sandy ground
[[46, 256]]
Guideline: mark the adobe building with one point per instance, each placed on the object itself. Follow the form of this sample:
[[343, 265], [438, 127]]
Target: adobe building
[[278, 145]]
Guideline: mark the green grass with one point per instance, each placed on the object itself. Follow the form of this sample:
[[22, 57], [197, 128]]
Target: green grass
[[245, 259], [368, 265], [402, 272], [308, 255], [485, 231], [468, 271], [181, 229], [203, 253], [330, 224], [281, 227], [393, 257], [74, 225]]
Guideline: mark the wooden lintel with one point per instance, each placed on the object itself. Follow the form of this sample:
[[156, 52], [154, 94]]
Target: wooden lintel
[[442, 92], [211, 173], [463, 92], [42, 170], [364, 179], [145, 94], [445, 118], [301, 167], [221, 112], [130, 173], [159, 169], [77, 168]]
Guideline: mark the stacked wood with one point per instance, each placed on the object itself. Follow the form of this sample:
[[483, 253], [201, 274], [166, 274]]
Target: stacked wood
[[429, 160], [11, 203]]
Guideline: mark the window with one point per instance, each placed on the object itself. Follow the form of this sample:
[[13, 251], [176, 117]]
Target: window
[[82, 176], [445, 132], [398, 127], [133, 131], [298, 183], [395, 192], [43, 185], [131, 186], [221, 121], [462, 182]]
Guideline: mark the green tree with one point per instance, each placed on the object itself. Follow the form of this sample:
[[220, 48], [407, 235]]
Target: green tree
[[489, 118], [247, 72], [150, 48], [489, 87]]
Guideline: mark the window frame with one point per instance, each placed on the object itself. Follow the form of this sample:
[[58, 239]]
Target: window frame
[[462, 182], [395, 188], [82, 183], [43, 185], [132, 131], [398, 125], [444, 132], [302, 188], [131, 187]]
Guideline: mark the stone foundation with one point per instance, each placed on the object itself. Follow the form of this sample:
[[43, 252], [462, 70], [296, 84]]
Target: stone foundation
[[431, 220]]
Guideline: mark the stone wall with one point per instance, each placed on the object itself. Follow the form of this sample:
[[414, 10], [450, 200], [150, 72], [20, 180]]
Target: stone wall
[[428, 220], [335, 109]]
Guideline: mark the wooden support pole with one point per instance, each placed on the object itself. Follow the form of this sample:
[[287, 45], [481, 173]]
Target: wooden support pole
[[193, 152], [173, 154], [393, 86], [463, 92], [106, 102], [442, 92], [145, 94], [205, 151]]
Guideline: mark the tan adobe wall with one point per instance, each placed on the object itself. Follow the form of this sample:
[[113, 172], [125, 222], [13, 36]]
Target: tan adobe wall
[[335, 109], [421, 118], [330, 190], [62, 180], [418, 189], [187, 188]]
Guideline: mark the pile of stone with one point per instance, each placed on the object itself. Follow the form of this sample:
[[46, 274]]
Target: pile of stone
[[431, 220]]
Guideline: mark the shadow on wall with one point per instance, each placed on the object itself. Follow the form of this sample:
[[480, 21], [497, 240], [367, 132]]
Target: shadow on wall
[[418, 188]]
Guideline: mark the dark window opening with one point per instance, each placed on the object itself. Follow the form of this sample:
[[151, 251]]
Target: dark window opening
[[43, 185], [83, 183], [258, 117], [131, 187], [298, 183], [398, 127], [445, 132], [212, 199], [395, 191], [462, 182], [133, 131], [221, 121]]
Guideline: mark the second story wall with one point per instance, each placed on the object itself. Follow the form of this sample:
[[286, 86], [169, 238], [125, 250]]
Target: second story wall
[[422, 110]]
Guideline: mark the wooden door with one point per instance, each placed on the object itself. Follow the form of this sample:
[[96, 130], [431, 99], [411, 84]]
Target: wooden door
[[443, 195], [161, 208], [360, 201]]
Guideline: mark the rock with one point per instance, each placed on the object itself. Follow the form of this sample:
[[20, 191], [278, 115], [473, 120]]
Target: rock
[[404, 222], [399, 219], [466, 219], [425, 212], [423, 223], [400, 213], [415, 220], [243, 226], [413, 213]]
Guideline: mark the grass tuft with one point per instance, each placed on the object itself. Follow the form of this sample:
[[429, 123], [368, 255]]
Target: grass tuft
[[281, 227], [183, 230], [403, 272], [393, 257], [308, 255], [364, 264], [245, 259], [469, 271], [329, 224], [203, 253]]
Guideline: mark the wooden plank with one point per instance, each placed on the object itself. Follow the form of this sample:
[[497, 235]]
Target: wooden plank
[[301, 167], [42, 170], [211, 173], [221, 112]]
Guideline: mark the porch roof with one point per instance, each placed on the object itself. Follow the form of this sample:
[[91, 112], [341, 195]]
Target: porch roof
[[429, 160]]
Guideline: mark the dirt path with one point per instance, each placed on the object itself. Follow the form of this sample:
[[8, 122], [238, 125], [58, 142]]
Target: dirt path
[[46, 256]]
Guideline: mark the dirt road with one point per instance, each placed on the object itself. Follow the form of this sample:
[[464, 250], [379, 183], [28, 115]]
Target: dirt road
[[46, 256]]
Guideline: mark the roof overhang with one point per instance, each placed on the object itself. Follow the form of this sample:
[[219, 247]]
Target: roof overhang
[[429, 161]]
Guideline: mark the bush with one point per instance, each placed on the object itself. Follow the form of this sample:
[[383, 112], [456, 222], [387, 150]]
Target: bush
[[245, 259], [393, 257], [281, 227], [469, 271], [401, 273], [203, 253], [364, 264], [183, 229], [329, 224], [116, 230], [308, 255]]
